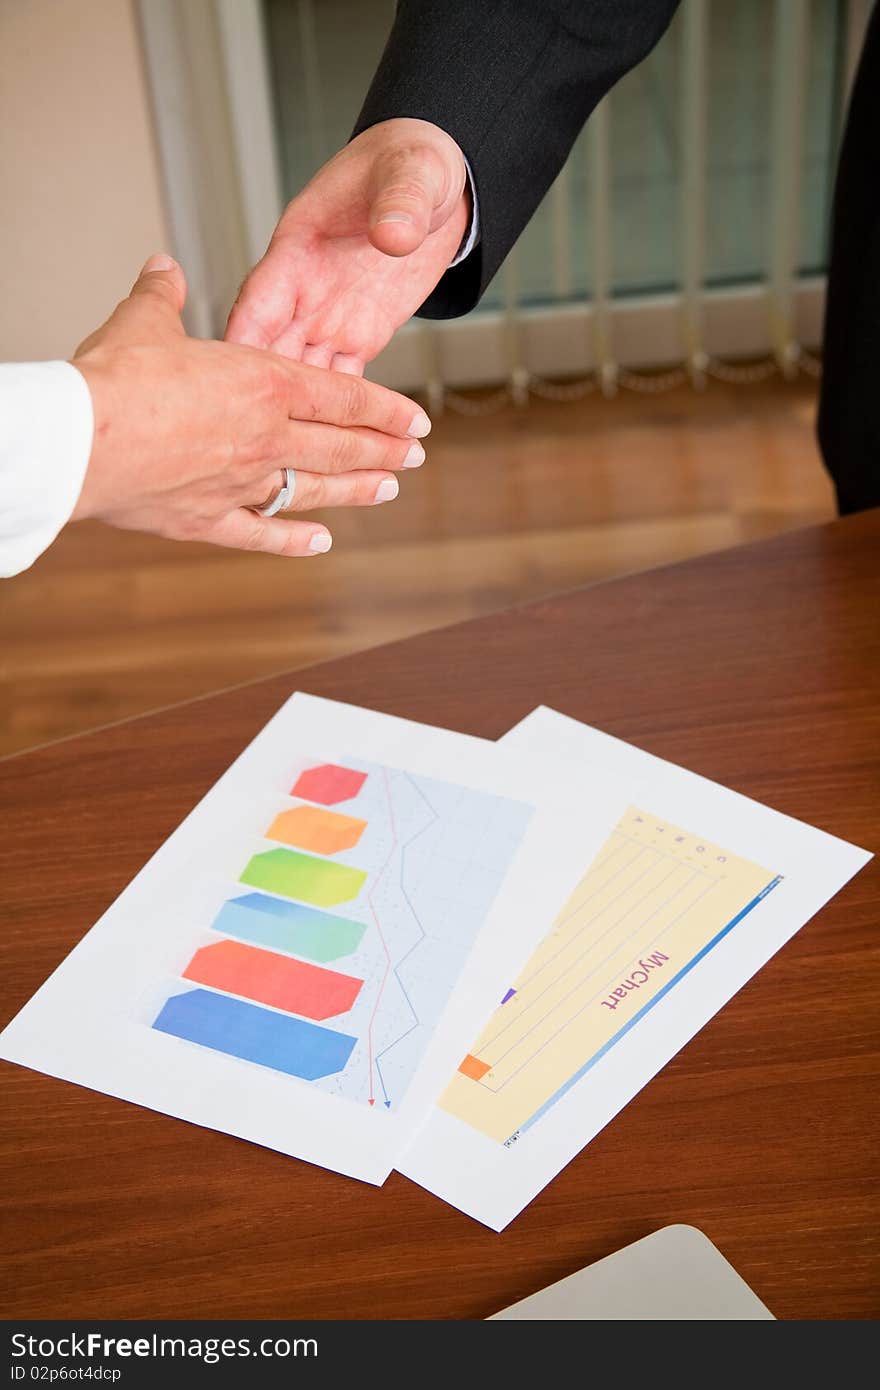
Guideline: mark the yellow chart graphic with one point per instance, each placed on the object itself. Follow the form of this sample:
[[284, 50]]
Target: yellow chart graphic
[[654, 901]]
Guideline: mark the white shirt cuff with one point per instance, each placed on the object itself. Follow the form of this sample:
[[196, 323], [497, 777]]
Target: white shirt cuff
[[46, 428], [472, 235]]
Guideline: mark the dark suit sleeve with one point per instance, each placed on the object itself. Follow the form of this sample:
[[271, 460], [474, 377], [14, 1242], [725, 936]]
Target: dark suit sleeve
[[512, 81]]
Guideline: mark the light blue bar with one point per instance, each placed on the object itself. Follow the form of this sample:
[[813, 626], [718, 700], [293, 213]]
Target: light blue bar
[[287, 926]]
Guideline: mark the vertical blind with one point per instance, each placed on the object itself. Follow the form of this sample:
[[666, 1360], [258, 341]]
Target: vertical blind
[[695, 118]]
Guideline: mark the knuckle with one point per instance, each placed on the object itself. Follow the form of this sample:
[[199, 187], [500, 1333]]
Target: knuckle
[[272, 447], [238, 461], [359, 492], [276, 387], [254, 537], [416, 169], [403, 189], [310, 492], [344, 451], [390, 413], [394, 453], [406, 162], [267, 386], [293, 543], [354, 400], [189, 527]]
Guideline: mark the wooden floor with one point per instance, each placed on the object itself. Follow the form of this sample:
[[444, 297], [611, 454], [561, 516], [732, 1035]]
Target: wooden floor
[[508, 507]]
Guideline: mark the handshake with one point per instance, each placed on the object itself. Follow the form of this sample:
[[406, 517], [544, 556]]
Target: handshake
[[192, 438]]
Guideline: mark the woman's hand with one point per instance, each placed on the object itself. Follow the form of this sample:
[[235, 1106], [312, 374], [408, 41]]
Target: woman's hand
[[189, 434]]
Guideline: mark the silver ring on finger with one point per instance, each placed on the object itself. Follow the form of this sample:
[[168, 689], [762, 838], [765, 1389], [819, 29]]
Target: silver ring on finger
[[280, 499]]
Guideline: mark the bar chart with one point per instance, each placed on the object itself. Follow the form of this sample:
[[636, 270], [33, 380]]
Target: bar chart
[[355, 907], [266, 985]]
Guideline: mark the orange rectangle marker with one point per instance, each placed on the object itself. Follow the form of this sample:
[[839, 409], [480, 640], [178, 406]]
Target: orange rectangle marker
[[474, 1068]]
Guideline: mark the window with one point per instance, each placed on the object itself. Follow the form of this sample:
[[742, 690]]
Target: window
[[322, 54]]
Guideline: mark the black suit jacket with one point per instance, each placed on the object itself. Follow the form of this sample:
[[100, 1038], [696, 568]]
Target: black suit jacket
[[512, 81]]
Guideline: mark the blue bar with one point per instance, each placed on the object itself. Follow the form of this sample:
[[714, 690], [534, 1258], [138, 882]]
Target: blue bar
[[285, 1044], [289, 926]]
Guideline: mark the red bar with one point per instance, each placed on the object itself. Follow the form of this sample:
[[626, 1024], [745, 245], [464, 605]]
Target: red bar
[[329, 784], [268, 978]]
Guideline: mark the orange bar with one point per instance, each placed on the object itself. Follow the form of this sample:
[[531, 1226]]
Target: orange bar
[[268, 978], [474, 1068], [309, 827]]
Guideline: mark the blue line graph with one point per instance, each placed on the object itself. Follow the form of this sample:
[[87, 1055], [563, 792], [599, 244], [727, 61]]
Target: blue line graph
[[670, 984], [405, 957]]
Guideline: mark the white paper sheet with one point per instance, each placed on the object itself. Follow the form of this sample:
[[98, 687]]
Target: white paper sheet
[[416, 885], [696, 889]]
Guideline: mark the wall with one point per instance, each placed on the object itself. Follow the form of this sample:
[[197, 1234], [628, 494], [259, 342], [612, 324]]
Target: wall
[[79, 180]]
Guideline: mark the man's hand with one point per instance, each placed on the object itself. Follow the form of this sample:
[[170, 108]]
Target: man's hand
[[359, 250], [189, 434]]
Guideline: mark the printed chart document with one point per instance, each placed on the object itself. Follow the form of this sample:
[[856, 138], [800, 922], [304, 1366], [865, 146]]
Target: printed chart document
[[694, 889], [302, 961]]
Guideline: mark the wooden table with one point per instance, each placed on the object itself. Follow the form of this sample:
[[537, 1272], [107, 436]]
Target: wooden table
[[757, 667]]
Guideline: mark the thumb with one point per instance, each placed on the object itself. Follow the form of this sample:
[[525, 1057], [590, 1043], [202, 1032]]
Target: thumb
[[409, 197], [162, 278], [152, 308]]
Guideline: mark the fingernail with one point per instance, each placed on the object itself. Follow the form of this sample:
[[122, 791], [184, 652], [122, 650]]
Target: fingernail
[[320, 542], [420, 425], [387, 490], [158, 262], [394, 217], [415, 457]]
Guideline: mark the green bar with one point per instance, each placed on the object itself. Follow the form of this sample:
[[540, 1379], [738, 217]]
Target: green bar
[[302, 876]]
